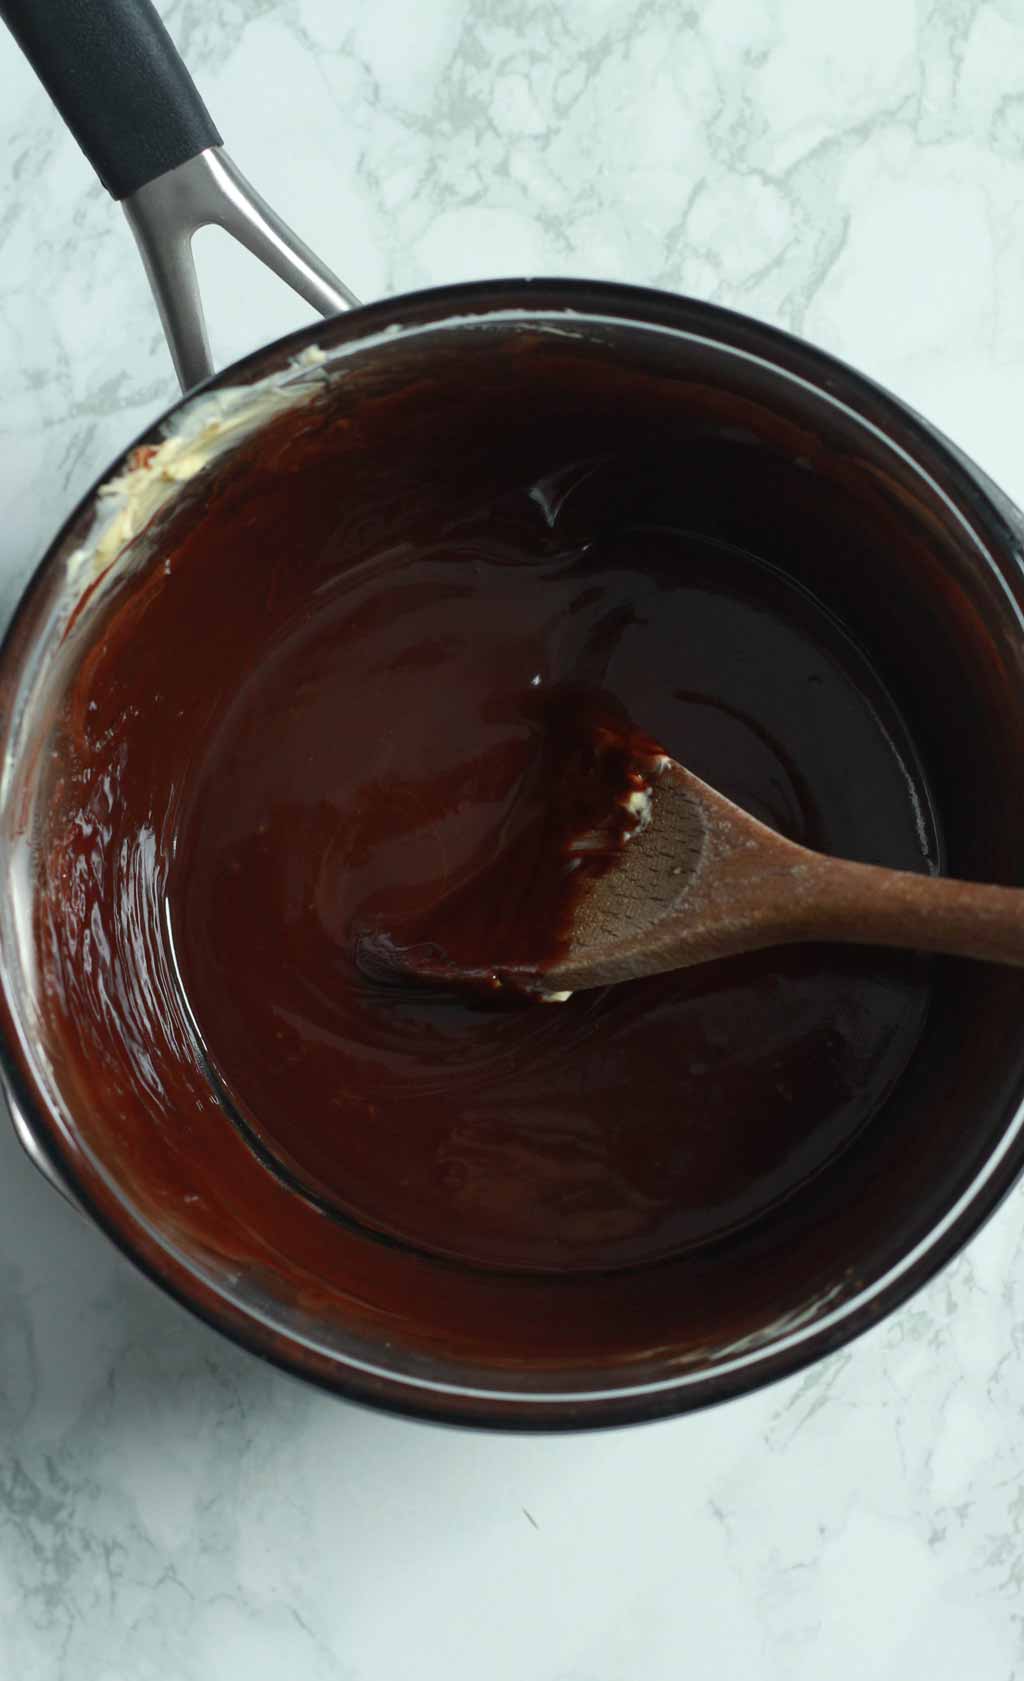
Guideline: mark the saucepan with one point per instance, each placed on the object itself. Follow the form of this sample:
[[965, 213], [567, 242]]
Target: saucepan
[[899, 536]]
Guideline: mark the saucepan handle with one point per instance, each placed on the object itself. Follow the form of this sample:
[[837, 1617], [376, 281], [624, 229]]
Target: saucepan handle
[[114, 75], [116, 78]]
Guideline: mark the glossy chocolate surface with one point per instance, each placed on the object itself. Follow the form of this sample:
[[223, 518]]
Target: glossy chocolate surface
[[369, 734], [383, 755]]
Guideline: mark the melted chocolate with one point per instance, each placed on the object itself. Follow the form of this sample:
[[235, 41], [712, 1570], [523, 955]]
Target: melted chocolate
[[320, 709], [381, 758], [566, 819]]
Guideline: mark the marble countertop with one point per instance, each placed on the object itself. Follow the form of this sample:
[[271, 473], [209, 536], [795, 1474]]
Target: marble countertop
[[170, 1509]]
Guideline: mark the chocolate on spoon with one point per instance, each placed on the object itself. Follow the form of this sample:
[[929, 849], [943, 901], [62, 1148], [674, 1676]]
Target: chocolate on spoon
[[677, 875]]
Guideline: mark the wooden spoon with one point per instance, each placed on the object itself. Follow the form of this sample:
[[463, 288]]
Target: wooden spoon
[[705, 880], [701, 879]]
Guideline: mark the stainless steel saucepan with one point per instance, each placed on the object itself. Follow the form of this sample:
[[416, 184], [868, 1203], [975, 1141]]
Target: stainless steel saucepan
[[926, 571]]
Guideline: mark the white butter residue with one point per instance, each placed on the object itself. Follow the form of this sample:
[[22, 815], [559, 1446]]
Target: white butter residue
[[211, 424], [204, 429], [639, 805]]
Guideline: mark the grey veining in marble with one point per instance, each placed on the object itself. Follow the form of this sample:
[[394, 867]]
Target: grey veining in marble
[[169, 1509]]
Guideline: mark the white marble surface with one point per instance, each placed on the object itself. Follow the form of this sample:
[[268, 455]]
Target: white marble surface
[[169, 1509]]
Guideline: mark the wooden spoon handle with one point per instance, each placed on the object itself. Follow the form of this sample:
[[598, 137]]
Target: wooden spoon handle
[[864, 905]]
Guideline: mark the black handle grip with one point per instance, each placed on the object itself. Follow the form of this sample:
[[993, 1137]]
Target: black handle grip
[[115, 76]]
